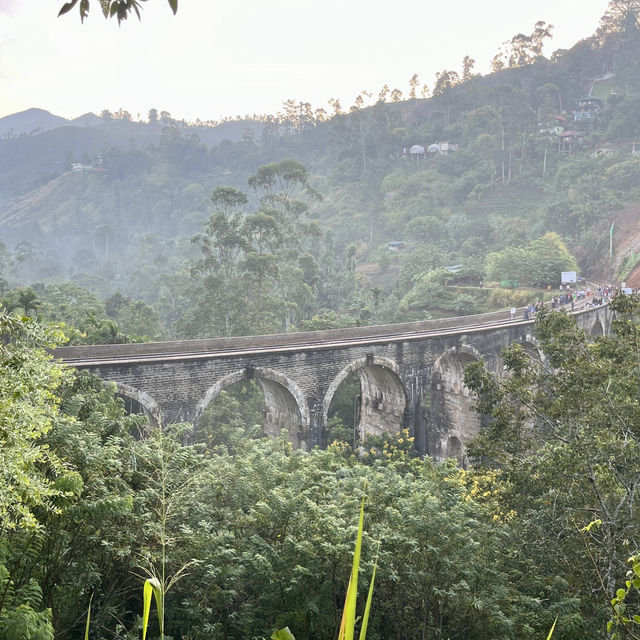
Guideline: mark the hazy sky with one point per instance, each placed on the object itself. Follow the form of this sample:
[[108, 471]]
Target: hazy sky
[[231, 57]]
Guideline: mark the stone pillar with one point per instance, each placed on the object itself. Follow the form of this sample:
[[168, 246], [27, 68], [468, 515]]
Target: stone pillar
[[317, 436]]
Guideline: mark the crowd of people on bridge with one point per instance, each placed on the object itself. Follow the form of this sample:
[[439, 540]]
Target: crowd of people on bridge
[[569, 299]]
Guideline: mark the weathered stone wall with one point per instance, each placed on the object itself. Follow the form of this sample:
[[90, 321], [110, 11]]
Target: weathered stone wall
[[410, 377]]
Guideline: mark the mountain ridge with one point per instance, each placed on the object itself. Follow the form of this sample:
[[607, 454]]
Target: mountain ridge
[[36, 120]]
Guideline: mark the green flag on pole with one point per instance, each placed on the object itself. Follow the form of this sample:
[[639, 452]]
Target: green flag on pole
[[611, 243]]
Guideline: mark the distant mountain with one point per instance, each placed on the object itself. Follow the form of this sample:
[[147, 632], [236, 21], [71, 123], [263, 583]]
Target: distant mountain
[[87, 120], [36, 121], [31, 121], [27, 160]]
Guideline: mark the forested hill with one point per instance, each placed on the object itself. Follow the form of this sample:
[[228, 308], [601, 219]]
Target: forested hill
[[507, 178]]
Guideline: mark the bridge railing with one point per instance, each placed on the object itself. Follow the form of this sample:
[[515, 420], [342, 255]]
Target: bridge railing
[[290, 339]]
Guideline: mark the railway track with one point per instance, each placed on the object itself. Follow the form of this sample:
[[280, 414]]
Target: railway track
[[277, 344]]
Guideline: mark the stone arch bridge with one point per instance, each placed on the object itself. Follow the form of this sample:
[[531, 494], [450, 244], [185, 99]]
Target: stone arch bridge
[[411, 374]]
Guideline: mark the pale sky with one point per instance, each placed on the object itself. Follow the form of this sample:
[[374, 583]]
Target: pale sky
[[231, 57]]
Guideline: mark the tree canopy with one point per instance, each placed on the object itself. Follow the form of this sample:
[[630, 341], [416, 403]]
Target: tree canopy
[[564, 430], [120, 9]]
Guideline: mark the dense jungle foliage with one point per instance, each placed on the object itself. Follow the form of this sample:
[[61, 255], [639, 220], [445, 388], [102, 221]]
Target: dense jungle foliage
[[92, 500]]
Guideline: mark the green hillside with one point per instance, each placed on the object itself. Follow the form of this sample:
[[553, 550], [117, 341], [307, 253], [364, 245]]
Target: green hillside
[[484, 165]]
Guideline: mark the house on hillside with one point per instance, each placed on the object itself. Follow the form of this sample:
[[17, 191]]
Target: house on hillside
[[568, 141], [586, 108], [442, 148], [80, 167], [552, 125], [416, 152]]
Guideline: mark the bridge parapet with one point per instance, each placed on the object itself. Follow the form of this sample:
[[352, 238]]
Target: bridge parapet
[[275, 340]]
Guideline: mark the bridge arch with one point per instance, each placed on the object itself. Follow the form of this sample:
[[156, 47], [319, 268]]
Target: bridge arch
[[596, 329], [383, 395], [284, 400], [530, 344], [151, 408], [455, 449], [453, 402]]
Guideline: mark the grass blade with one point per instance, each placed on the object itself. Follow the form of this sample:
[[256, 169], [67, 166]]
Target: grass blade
[[553, 626], [152, 587], [282, 634], [348, 623], [344, 611], [86, 628], [367, 609]]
